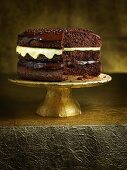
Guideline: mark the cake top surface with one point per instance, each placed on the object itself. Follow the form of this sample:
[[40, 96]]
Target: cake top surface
[[69, 37], [39, 31]]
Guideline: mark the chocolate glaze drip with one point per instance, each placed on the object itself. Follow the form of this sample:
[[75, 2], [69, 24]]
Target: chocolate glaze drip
[[46, 37], [40, 65], [33, 39], [29, 38]]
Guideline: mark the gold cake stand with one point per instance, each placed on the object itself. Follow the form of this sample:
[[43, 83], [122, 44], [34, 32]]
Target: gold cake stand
[[58, 101]]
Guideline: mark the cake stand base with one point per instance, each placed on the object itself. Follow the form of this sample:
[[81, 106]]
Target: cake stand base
[[59, 101]]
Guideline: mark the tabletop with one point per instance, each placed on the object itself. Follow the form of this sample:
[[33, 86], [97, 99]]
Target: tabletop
[[102, 105]]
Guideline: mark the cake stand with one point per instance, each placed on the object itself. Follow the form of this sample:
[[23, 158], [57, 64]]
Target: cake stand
[[58, 101]]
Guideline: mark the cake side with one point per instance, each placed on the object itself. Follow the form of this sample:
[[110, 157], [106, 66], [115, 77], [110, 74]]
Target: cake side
[[84, 63], [56, 54], [81, 38]]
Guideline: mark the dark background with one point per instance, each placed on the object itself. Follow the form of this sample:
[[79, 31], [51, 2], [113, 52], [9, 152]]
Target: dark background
[[108, 18]]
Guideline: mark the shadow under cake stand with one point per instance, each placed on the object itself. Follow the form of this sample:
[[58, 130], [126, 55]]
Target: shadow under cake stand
[[59, 101]]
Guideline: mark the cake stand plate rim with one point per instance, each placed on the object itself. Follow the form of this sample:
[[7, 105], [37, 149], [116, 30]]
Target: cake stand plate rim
[[101, 79]]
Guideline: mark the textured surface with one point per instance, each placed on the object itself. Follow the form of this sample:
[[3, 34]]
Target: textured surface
[[63, 148]]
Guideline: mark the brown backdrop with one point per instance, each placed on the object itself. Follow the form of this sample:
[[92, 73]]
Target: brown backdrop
[[107, 17]]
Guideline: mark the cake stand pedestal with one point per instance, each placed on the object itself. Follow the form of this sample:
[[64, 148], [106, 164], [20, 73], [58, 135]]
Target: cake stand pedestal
[[58, 101]]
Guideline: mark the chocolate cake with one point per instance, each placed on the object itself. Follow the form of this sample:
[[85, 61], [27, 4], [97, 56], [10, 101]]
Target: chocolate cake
[[58, 54]]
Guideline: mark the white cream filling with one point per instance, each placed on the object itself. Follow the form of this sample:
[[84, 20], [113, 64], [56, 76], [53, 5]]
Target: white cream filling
[[49, 53], [35, 52], [82, 49]]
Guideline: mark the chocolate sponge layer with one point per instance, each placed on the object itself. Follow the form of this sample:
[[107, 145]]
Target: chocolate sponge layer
[[59, 38], [39, 75], [88, 71], [81, 55]]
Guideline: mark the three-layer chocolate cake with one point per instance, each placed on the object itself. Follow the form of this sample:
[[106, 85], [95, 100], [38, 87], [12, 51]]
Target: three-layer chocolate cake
[[58, 54]]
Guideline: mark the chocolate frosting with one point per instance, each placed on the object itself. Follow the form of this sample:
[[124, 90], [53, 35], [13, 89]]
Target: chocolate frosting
[[40, 65], [46, 37]]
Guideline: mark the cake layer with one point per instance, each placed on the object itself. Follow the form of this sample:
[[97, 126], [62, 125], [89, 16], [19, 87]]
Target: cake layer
[[54, 66], [40, 65], [44, 38], [58, 38], [81, 38], [81, 55], [39, 75], [59, 74], [86, 70], [49, 53]]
